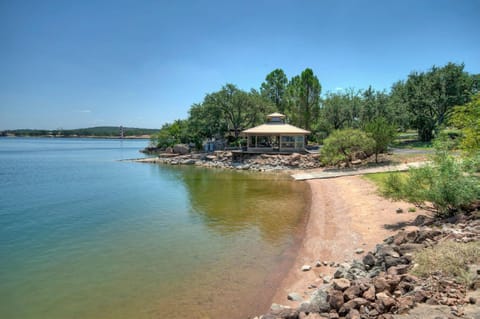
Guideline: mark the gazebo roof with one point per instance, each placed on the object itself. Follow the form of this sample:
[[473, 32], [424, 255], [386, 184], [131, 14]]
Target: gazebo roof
[[269, 116], [271, 129]]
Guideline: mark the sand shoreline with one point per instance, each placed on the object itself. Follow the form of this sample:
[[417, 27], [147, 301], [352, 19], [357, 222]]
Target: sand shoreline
[[345, 214]]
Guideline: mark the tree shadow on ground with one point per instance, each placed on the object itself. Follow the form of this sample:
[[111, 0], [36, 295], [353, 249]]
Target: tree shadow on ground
[[420, 220]]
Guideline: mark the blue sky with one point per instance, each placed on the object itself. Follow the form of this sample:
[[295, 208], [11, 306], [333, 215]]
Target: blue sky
[[74, 64]]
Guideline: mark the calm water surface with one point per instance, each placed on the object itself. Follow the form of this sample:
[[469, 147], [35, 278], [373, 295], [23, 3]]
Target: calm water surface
[[83, 235]]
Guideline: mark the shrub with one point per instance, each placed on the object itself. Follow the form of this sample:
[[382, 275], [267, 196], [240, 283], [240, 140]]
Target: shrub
[[382, 133], [342, 145], [448, 184], [467, 119]]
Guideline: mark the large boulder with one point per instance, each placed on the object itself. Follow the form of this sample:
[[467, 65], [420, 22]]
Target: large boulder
[[181, 149]]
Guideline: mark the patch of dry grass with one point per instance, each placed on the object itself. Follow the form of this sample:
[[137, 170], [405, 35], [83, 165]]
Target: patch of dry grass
[[447, 258]]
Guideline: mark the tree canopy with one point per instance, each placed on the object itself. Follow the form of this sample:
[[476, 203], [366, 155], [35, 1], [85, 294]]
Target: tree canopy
[[467, 118], [430, 96], [303, 99], [274, 88], [424, 101]]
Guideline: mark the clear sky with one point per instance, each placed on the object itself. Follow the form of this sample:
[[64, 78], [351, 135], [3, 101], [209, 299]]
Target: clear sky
[[72, 64]]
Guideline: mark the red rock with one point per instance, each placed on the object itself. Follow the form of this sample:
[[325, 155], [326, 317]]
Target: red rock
[[420, 296], [398, 270], [369, 294], [345, 309], [352, 292], [341, 284], [361, 301], [353, 314], [385, 299], [405, 303], [336, 300], [380, 284]]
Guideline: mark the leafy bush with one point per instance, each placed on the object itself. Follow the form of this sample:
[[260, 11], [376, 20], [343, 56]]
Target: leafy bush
[[448, 183], [467, 119], [382, 133], [342, 145]]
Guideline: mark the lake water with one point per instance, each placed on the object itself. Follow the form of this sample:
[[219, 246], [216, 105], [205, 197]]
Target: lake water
[[83, 235]]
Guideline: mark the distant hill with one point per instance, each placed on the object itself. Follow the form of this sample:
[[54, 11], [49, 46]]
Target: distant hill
[[99, 131]]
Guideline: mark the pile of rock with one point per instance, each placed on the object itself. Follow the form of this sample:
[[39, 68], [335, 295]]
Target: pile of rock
[[293, 161], [380, 285], [257, 162]]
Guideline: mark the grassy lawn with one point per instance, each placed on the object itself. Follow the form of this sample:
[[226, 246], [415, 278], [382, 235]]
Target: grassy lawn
[[410, 139]]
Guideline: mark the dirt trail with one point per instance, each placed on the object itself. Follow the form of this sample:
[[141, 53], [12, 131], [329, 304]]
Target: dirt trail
[[346, 214]]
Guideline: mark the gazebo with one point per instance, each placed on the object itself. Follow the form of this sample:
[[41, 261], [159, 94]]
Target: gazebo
[[275, 136]]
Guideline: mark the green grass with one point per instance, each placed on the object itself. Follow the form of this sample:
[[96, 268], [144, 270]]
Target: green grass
[[410, 139], [412, 144], [380, 178]]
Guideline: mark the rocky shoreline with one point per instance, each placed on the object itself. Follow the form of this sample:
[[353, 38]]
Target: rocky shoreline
[[381, 285], [230, 160]]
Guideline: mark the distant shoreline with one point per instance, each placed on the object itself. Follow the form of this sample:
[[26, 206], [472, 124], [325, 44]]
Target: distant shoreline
[[142, 137]]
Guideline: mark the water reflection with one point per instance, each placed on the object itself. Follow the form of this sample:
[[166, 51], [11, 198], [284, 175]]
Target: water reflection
[[231, 201]]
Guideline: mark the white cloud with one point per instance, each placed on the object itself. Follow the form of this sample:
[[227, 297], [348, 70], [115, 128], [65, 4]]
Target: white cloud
[[84, 111], [338, 89]]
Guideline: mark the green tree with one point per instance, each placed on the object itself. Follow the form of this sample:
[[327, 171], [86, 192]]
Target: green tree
[[341, 110], [171, 134], [467, 118], [303, 99], [274, 88], [397, 105], [206, 121], [382, 133], [430, 96], [343, 145], [375, 104], [239, 110]]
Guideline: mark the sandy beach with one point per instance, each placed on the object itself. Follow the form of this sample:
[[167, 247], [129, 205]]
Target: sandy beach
[[346, 214]]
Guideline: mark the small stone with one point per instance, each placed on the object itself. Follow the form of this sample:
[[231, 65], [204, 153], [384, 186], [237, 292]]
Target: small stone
[[352, 292], [294, 296], [369, 294], [369, 260], [336, 300], [306, 267], [327, 279], [399, 211], [472, 300], [361, 301], [318, 263], [380, 284], [341, 284], [353, 314], [276, 307], [342, 270], [359, 250], [319, 302], [386, 300]]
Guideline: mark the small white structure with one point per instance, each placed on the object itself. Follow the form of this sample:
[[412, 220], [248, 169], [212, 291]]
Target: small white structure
[[275, 136]]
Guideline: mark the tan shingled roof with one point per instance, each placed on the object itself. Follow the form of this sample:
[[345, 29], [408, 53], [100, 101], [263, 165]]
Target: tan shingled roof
[[276, 129], [276, 115]]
